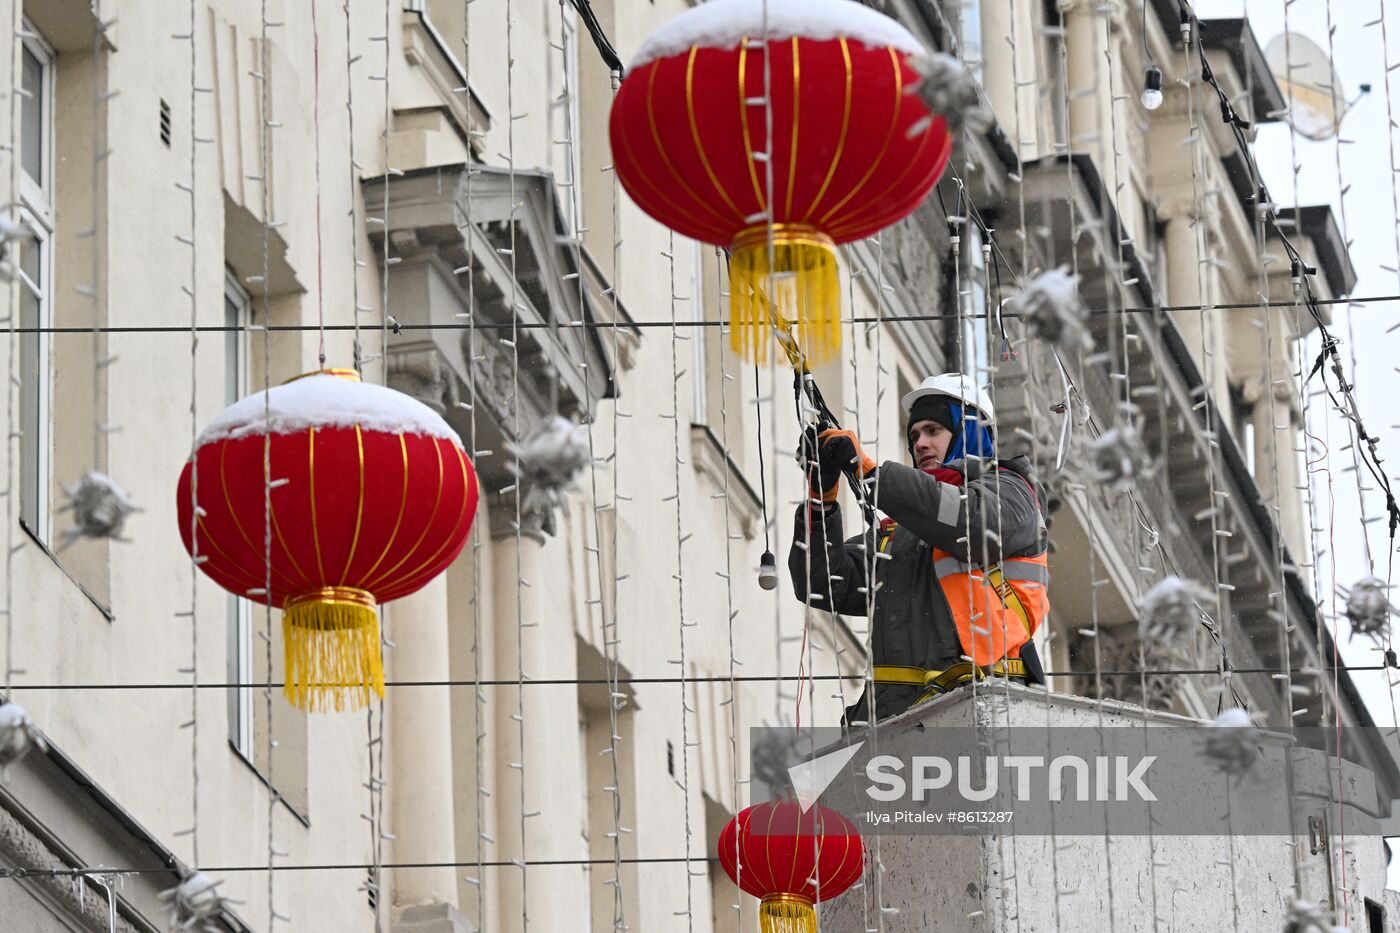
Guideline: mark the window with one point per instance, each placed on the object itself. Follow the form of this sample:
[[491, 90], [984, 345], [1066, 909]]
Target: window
[[240, 614], [1054, 127], [35, 272], [723, 381], [269, 735], [968, 15]]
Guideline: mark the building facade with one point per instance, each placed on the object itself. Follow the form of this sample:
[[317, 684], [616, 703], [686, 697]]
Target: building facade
[[217, 195]]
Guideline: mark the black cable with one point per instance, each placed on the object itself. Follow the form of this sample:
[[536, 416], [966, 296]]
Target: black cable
[[600, 39], [762, 473], [655, 681], [1302, 273], [643, 325], [343, 866]]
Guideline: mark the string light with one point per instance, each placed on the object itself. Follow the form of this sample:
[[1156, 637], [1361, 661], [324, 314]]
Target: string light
[[1151, 96]]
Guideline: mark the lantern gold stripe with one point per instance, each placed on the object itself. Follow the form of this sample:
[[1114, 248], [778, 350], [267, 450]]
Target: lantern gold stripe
[[695, 130], [403, 505], [743, 120], [230, 564], [408, 578], [841, 140], [437, 501], [884, 149], [666, 158], [311, 469], [796, 112], [715, 232], [359, 505], [233, 514], [858, 218]]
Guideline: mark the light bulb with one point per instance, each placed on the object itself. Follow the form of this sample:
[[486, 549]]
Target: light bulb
[[1152, 89]]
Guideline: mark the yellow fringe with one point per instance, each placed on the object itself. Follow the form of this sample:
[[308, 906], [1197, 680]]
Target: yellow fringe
[[803, 286], [786, 914], [332, 655]]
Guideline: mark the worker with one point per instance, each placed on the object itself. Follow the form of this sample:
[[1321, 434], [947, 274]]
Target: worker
[[959, 556]]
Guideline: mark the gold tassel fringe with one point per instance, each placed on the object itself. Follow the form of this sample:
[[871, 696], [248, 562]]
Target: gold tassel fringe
[[802, 286], [330, 645], [786, 913]]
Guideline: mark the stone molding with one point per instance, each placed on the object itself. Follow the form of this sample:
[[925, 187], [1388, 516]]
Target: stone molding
[[25, 850]]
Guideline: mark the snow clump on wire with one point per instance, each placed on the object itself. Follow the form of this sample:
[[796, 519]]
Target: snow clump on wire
[[11, 232], [548, 463], [1119, 458], [1368, 608], [949, 90], [1232, 742], [195, 903], [1307, 917], [99, 508], [1170, 611], [18, 736], [1050, 306]]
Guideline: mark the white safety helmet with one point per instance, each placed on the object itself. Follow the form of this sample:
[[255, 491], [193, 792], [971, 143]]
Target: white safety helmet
[[957, 386]]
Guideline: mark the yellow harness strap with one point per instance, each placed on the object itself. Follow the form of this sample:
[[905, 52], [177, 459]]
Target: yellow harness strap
[[1009, 599], [937, 682]]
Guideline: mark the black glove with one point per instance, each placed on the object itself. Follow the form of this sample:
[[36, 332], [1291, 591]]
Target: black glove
[[835, 452]]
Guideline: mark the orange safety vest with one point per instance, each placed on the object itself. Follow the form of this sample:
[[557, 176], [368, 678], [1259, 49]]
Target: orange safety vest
[[997, 609]]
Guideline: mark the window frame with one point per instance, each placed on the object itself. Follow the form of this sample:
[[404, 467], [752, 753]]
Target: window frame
[[239, 609], [39, 447], [38, 194], [36, 215]]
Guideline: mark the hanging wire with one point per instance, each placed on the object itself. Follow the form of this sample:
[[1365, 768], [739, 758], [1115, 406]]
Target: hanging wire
[[1395, 215], [1268, 395], [376, 722], [612, 640], [12, 436], [266, 124], [193, 613], [480, 733], [1210, 374], [94, 292], [682, 536], [352, 176], [516, 493]]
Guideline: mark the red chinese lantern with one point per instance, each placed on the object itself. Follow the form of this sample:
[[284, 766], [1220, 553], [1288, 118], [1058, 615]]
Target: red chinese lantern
[[790, 860], [851, 151], [370, 496]]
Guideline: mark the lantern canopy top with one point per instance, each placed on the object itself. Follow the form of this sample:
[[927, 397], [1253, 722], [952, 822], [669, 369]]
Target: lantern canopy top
[[326, 400], [723, 24]]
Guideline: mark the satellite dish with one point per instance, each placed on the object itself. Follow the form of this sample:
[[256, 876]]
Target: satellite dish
[[1309, 83]]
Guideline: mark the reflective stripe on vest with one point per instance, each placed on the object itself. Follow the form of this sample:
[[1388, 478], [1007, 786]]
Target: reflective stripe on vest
[[998, 610]]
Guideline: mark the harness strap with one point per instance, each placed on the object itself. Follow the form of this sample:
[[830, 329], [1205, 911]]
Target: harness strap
[[997, 578], [937, 681]]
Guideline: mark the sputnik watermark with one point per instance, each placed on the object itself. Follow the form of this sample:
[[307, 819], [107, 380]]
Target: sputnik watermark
[[1116, 778], [1066, 781]]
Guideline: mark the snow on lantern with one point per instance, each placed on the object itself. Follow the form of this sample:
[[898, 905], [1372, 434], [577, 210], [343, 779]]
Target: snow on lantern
[[743, 117], [369, 496]]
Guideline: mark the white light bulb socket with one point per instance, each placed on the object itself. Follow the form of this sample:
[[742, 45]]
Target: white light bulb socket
[[1152, 89]]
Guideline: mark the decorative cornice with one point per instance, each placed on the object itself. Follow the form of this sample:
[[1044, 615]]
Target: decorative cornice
[[536, 516], [424, 47]]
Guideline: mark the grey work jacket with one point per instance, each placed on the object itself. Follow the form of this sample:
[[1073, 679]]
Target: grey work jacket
[[912, 625]]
